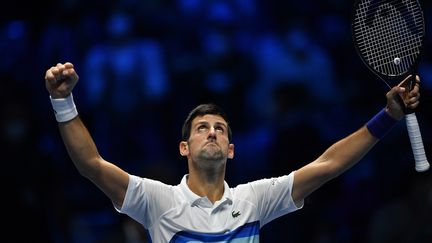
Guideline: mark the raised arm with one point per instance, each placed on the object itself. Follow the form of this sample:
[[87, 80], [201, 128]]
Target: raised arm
[[113, 181], [348, 151]]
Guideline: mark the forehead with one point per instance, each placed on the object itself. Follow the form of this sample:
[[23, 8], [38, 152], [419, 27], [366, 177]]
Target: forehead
[[208, 118]]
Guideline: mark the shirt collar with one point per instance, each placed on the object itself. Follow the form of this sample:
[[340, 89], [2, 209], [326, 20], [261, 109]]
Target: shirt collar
[[194, 199]]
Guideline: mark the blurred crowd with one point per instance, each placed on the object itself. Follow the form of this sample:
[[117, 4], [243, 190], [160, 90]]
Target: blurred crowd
[[286, 72]]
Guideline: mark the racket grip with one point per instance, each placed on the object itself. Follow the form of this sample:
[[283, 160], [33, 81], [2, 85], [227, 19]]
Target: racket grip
[[421, 162]]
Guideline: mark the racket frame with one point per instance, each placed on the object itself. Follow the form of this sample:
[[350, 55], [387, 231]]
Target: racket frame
[[421, 163]]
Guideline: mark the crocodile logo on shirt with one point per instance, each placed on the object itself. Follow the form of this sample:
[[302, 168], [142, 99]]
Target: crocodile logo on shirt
[[235, 214]]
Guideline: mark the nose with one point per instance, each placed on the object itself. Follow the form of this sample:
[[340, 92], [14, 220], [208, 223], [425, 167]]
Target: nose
[[212, 132]]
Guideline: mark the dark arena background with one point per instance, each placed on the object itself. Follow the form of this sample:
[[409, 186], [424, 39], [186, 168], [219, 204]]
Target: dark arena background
[[286, 72]]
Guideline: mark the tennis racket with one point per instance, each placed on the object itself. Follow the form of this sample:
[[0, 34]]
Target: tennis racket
[[388, 36]]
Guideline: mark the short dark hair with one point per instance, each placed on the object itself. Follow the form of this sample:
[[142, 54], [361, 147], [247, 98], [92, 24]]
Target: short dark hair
[[202, 110]]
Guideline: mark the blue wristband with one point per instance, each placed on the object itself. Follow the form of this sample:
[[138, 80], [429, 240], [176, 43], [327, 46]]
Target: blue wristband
[[380, 124]]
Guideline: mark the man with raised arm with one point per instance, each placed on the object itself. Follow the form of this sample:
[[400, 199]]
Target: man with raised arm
[[203, 208]]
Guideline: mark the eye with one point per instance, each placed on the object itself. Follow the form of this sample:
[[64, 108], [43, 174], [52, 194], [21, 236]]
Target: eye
[[220, 129], [202, 128]]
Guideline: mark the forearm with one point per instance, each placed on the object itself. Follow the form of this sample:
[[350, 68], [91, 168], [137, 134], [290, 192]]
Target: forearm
[[80, 146], [341, 156], [346, 152], [112, 180]]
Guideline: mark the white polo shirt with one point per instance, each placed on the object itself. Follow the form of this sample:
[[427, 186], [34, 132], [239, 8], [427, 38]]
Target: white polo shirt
[[176, 214]]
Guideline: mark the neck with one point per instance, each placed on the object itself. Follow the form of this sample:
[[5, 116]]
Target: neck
[[208, 183]]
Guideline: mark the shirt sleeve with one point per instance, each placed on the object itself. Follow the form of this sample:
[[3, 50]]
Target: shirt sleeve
[[273, 197], [146, 200]]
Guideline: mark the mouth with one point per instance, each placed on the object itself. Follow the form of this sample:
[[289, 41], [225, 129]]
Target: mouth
[[211, 144]]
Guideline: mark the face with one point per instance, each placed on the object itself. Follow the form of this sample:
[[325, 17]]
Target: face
[[208, 140]]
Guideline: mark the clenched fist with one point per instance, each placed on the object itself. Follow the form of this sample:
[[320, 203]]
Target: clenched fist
[[60, 80]]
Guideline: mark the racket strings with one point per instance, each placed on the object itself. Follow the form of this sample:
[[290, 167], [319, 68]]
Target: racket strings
[[400, 5], [399, 46], [376, 54], [389, 42], [386, 33]]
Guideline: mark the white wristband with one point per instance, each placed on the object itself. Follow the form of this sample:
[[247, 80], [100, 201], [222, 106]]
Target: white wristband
[[64, 108]]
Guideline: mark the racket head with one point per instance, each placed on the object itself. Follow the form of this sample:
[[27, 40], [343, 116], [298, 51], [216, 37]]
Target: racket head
[[388, 36]]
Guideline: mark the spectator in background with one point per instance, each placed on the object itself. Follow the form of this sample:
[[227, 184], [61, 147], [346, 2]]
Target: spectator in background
[[123, 62], [293, 59]]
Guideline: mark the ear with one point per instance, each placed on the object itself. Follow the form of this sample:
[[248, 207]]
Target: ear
[[184, 148], [230, 151]]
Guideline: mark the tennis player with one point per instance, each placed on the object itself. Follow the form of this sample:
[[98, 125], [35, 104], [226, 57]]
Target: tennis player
[[203, 207]]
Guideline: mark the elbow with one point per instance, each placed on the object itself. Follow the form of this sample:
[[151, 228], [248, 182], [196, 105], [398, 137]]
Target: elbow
[[89, 168], [336, 169], [331, 170]]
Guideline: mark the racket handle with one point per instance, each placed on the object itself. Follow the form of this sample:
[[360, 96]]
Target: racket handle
[[421, 163]]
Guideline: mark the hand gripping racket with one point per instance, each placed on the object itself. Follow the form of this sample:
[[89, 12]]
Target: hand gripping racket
[[388, 36]]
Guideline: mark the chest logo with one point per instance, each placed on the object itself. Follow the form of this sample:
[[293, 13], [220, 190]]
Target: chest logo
[[235, 214]]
